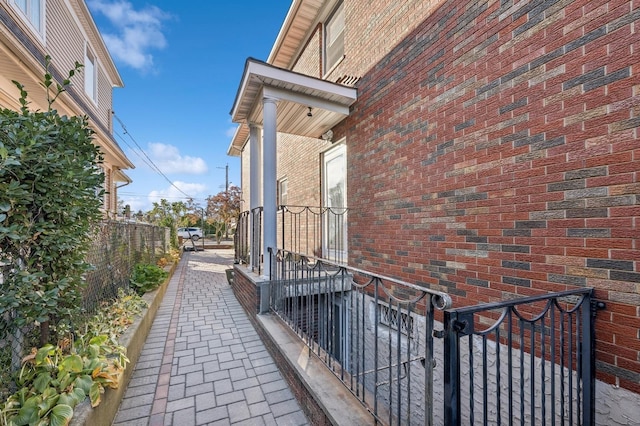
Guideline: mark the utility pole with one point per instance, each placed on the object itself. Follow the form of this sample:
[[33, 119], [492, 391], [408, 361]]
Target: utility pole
[[226, 193], [226, 178]]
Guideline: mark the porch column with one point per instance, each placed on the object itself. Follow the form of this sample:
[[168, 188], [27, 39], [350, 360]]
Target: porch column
[[255, 190], [269, 180]]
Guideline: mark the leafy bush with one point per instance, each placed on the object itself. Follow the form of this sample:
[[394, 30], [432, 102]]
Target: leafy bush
[[145, 278], [50, 195]]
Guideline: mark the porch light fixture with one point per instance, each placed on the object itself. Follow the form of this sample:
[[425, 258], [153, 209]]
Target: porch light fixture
[[309, 114]]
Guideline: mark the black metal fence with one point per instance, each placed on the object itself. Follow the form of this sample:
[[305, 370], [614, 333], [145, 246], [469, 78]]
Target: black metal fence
[[521, 361], [373, 332], [116, 248], [313, 231], [241, 239], [248, 239], [524, 361]]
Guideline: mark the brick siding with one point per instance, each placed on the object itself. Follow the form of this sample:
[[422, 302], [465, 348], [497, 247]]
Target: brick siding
[[246, 292], [494, 152]]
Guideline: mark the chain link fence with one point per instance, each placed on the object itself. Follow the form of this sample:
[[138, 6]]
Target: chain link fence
[[116, 248]]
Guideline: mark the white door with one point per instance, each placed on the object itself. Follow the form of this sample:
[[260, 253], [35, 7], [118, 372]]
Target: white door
[[334, 199]]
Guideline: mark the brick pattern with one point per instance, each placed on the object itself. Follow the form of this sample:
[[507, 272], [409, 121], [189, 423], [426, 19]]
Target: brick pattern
[[494, 152], [374, 27], [246, 292], [309, 405], [310, 60], [203, 362], [302, 169]]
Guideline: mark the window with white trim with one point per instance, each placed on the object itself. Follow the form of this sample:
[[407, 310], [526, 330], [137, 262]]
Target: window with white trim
[[33, 11], [283, 191], [334, 199], [90, 86], [334, 38]]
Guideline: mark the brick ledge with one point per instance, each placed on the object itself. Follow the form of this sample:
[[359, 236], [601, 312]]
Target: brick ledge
[[338, 405]]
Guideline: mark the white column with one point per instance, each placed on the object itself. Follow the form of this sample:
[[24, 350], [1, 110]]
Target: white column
[[269, 180], [255, 188]]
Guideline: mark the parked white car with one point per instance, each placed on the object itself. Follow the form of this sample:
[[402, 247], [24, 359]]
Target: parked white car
[[194, 233]]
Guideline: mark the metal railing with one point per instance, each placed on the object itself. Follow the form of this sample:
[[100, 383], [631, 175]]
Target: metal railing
[[248, 239], [241, 238], [313, 231], [373, 332], [523, 361]]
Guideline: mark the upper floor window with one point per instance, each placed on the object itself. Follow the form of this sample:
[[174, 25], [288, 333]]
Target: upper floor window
[[34, 12], [334, 38], [90, 75]]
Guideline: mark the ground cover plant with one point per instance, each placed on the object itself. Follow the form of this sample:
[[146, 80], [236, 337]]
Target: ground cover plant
[[145, 278], [55, 379]]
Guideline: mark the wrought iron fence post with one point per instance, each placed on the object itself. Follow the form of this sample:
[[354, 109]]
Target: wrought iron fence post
[[589, 309], [282, 242], [451, 370], [428, 365]]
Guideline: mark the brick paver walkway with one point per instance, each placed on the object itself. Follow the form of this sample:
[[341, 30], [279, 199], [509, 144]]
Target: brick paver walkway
[[203, 362]]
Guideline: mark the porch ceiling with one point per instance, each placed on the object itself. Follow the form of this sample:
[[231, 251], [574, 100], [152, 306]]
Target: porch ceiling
[[295, 93]]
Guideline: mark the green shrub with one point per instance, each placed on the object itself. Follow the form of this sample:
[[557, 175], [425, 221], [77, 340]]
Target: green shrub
[[50, 196], [145, 278]]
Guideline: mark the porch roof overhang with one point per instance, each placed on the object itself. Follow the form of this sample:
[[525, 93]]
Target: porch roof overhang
[[295, 93]]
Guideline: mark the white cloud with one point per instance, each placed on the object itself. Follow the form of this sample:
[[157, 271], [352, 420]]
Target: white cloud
[[177, 191], [170, 161], [135, 32]]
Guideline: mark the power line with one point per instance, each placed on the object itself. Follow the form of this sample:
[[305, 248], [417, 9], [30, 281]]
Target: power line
[[133, 149], [134, 194], [148, 160]]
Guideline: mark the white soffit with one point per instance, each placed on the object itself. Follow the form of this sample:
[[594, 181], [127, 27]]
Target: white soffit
[[301, 19], [295, 93]]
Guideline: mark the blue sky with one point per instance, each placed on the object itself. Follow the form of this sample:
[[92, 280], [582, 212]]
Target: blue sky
[[181, 68]]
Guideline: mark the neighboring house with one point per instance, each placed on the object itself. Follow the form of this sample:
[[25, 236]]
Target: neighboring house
[[488, 149], [64, 30]]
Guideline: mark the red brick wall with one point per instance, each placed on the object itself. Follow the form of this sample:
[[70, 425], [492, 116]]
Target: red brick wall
[[494, 151], [246, 292]]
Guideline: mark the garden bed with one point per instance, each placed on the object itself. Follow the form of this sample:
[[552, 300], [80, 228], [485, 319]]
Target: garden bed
[[133, 339]]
